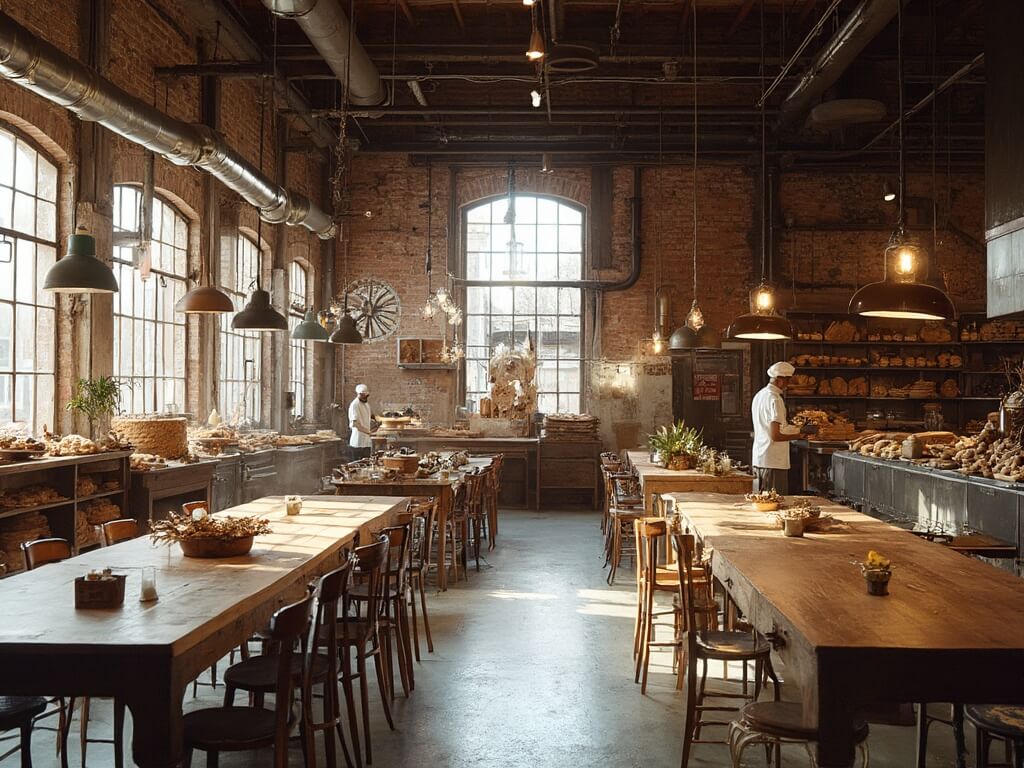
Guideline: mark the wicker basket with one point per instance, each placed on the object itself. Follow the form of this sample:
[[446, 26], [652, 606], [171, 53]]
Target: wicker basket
[[216, 547]]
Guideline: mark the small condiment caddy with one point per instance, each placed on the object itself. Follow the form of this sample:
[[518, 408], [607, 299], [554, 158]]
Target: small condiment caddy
[[100, 589]]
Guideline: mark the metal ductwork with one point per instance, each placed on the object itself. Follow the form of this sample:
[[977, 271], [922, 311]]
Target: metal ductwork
[[43, 69], [863, 25], [329, 30]]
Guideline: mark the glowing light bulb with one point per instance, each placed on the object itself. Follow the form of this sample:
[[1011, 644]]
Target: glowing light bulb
[[535, 98], [455, 318], [906, 262], [764, 299], [429, 309], [695, 318], [657, 343]]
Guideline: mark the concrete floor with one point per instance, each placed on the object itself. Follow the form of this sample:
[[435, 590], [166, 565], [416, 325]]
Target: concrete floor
[[532, 668]]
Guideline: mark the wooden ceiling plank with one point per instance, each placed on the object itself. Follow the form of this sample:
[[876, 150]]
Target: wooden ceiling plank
[[403, 5], [458, 15], [741, 15]]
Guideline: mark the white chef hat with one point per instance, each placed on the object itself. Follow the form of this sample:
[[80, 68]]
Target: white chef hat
[[362, 389], [783, 369]]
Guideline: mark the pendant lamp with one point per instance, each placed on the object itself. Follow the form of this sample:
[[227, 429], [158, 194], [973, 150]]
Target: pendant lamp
[[694, 333], [899, 295], [535, 51], [80, 271], [309, 329], [762, 322], [346, 332], [204, 299]]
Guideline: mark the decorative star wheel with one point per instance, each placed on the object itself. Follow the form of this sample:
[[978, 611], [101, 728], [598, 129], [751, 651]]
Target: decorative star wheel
[[375, 307]]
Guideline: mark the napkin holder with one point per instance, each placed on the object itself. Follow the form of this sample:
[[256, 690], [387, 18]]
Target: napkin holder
[[99, 593]]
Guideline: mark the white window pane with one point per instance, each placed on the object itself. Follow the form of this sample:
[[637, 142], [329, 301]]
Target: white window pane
[[25, 276], [179, 352], [547, 301], [501, 301], [500, 234], [478, 236], [24, 213], [547, 211], [570, 238], [45, 257], [6, 398], [477, 300], [180, 261], [181, 234], [476, 214], [25, 335], [569, 215], [24, 405], [45, 340], [547, 266], [6, 337], [6, 158], [6, 207], [547, 403], [525, 301], [46, 220], [24, 167], [44, 402], [547, 343], [526, 209], [569, 301], [570, 266], [46, 186]]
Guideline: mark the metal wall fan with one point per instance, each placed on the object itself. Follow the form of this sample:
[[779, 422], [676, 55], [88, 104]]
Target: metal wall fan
[[375, 307]]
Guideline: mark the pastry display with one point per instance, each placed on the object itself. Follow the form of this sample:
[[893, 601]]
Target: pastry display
[[99, 511], [70, 445], [143, 462], [570, 426], [165, 436], [29, 496], [18, 529]]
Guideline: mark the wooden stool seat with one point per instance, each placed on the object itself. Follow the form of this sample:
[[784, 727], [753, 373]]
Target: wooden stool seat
[[231, 728], [723, 645], [15, 711], [1003, 720], [259, 673], [784, 719]]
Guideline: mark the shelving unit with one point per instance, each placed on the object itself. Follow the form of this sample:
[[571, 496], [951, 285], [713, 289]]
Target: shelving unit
[[980, 380], [63, 475]]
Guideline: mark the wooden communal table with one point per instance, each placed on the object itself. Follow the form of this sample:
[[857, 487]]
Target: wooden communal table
[[145, 654], [951, 630], [655, 480]]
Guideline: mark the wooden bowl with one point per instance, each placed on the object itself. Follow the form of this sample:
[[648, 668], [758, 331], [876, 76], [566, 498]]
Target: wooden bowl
[[765, 506], [216, 547]]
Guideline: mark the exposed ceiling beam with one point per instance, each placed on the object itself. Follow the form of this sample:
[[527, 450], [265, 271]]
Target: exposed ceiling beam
[[741, 15], [458, 15], [403, 5]]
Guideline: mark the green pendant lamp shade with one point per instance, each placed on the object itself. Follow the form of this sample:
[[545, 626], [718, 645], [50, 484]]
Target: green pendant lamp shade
[[80, 271], [309, 329], [204, 300], [259, 315], [346, 332]]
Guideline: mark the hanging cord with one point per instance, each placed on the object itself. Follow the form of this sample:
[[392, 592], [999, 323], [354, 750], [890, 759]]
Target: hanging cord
[[259, 217], [935, 108], [764, 162], [430, 211], [694, 150], [899, 120]]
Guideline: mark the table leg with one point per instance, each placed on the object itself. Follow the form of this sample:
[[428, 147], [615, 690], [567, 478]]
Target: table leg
[[444, 503], [835, 736], [157, 718]]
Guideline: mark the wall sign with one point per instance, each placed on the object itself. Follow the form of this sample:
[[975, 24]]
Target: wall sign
[[707, 386]]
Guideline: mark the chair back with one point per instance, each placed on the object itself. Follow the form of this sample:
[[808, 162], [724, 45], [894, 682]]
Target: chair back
[[332, 592], [289, 634], [399, 539], [44, 551], [625, 489], [422, 531], [475, 485], [685, 547], [649, 532], [371, 563], [116, 531]]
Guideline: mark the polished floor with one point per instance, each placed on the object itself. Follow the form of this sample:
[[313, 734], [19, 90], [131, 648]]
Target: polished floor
[[532, 669]]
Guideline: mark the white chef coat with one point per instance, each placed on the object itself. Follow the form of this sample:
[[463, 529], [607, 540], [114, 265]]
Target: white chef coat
[[359, 413], [768, 406]]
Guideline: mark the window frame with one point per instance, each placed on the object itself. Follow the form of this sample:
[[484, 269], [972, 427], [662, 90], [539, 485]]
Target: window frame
[[299, 385], [239, 293], [153, 382], [467, 283], [12, 235]]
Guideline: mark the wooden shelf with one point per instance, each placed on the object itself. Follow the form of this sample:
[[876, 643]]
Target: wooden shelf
[[100, 495], [37, 508]]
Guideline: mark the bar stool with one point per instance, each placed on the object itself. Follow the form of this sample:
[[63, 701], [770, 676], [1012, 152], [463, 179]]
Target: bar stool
[[19, 713], [479, 482], [492, 494], [718, 645], [627, 508], [233, 729], [774, 723], [610, 464], [116, 531], [997, 721], [419, 566]]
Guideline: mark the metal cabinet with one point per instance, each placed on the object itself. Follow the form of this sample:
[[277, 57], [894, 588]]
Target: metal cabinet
[[993, 510], [226, 490], [848, 477], [878, 488], [259, 475], [927, 498]]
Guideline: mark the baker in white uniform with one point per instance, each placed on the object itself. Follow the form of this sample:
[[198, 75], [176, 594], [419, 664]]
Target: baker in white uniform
[[360, 421], [773, 432]]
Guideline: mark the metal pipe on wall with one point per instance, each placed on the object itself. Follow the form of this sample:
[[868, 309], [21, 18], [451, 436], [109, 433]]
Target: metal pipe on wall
[[41, 68]]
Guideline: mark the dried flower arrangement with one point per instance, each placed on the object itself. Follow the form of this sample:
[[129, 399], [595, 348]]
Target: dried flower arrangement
[[181, 527]]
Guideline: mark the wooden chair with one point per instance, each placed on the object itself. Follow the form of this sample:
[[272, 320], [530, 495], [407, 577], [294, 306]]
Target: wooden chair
[[997, 722], [394, 619], [773, 723], [232, 729], [116, 531], [419, 566], [610, 464], [19, 713], [650, 579], [476, 507], [627, 508], [719, 645], [44, 551], [258, 674], [360, 635], [457, 526], [492, 493]]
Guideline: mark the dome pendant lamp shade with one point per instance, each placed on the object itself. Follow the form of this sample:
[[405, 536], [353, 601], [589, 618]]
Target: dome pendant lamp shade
[[259, 315], [762, 322], [685, 338], [346, 332], [536, 50], [80, 271], [205, 300], [309, 329]]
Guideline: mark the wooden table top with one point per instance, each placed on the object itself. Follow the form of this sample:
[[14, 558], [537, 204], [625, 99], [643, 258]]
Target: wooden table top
[[641, 462], [197, 597], [434, 481], [939, 599]]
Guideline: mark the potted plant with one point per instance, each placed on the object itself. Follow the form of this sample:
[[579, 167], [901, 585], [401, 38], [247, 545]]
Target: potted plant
[[877, 571], [677, 446], [96, 399], [202, 535]]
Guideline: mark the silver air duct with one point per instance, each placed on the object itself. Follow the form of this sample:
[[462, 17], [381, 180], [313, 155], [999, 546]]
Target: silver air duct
[[328, 29], [41, 68]]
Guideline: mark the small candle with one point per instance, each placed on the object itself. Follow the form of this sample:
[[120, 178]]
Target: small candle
[[198, 514], [293, 504], [148, 591]]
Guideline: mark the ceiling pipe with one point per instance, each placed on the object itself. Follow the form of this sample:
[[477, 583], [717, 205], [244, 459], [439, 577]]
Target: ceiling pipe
[[862, 26], [592, 285], [329, 30], [41, 68]]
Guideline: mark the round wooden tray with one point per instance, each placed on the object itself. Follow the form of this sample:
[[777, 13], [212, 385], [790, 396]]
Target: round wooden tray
[[765, 506], [216, 547]]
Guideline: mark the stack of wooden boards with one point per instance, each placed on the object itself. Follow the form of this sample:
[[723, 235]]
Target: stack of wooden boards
[[570, 426]]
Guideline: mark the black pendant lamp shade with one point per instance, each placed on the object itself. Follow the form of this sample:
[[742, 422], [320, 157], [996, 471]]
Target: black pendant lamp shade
[[259, 315], [760, 327], [309, 329], [346, 332], [684, 338], [80, 271], [205, 300]]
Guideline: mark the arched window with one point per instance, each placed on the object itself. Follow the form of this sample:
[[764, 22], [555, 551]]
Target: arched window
[[240, 351], [28, 248], [298, 350], [548, 246], [149, 336]]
